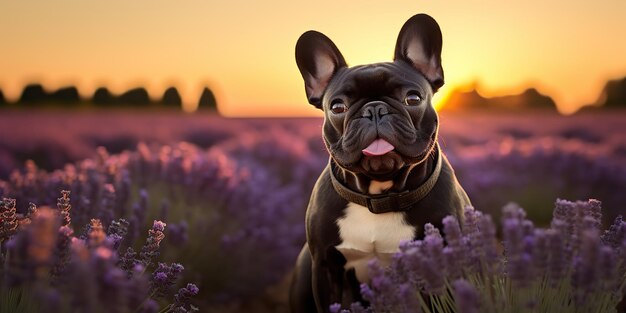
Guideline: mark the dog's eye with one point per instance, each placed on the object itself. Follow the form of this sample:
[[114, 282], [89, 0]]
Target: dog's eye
[[412, 98], [338, 107]]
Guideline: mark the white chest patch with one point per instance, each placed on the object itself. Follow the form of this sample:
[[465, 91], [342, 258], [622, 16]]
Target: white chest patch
[[366, 235]]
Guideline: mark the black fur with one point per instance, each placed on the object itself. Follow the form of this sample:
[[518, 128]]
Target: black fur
[[375, 99]]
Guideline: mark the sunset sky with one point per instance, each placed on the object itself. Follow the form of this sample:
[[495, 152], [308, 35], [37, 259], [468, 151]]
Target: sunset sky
[[244, 50]]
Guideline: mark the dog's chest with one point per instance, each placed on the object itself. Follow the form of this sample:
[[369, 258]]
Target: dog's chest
[[365, 235]]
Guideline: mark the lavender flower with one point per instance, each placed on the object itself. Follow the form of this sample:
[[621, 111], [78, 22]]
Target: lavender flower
[[467, 298], [62, 252], [183, 297], [150, 306], [31, 251], [456, 249], [118, 229], [8, 220], [608, 275], [616, 234], [432, 272], [487, 244], [541, 252], [543, 269], [128, 261], [26, 220], [557, 256], [586, 271], [96, 234], [335, 308], [64, 206], [150, 249], [177, 233], [164, 278], [107, 203], [358, 308]]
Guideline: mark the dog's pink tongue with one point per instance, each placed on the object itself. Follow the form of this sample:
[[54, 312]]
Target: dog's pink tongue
[[378, 147]]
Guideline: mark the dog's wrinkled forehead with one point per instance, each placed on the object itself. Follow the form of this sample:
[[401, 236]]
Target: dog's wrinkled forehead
[[376, 80]]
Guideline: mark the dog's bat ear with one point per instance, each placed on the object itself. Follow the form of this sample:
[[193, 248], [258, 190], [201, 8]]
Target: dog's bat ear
[[318, 60], [419, 44]]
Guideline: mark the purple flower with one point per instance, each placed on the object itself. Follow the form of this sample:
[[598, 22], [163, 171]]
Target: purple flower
[[8, 219], [160, 278], [151, 248], [467, 298], [62, 252], [177, 234], [128, 261], [586, 273], [452, 231], [96, 234], [519, 270], [607, 261], [616, 234], [356, 307], [164, 278], [32, 210], [158, 226], [149, 306], [557, 256], [367, 293], [31, 251], [118, 227], [487, 244], [64, 206], [183, 298], [335, 308], [541, 252], [430, 273], [106, 212], [513, 236]]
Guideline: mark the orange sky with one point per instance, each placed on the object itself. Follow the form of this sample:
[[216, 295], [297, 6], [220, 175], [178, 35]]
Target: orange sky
[[244, 50]]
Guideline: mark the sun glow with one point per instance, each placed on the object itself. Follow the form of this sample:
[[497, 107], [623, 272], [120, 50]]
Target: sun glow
[[247, 51]]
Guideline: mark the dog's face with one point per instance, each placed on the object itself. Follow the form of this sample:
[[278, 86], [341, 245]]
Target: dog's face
[[378, 117]]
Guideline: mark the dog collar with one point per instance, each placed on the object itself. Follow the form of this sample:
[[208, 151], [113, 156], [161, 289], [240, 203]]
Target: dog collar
[[391, 202]]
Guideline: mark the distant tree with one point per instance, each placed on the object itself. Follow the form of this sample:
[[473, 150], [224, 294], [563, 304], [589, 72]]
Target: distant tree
[[529, 99], [103, 96], [2, 100], [135, 97], [66, 95], [33, 94], [171, 98], [532, 98], [614, 94], [207, 100], [472, 100], [465, 100]]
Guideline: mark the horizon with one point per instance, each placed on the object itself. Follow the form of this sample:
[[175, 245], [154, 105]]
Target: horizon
[[244, 52]]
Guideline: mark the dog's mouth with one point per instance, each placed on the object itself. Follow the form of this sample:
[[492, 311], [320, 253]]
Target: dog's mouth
[[380, 158], [378, 147]]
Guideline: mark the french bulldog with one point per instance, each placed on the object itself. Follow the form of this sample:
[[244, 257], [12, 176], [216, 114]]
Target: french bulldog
[[386, 176]]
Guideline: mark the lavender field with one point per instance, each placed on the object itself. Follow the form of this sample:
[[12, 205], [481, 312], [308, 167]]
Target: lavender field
[[176, 212]]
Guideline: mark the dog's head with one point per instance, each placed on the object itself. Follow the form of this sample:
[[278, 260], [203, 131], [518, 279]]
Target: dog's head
[[378, 117]]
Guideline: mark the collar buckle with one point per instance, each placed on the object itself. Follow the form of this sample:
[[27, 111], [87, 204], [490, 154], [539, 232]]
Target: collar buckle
[[395, 202]]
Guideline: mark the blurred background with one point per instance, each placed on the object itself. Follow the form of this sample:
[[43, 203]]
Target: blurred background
[[194, 113], [243, 51]]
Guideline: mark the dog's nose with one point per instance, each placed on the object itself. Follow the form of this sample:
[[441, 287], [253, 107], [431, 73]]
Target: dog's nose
[[375, 110]]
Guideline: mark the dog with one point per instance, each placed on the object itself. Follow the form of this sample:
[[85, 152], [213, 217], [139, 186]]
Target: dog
[[386, 175]]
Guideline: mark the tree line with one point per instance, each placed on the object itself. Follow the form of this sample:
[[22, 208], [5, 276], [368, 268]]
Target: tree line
[[34, 95]]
